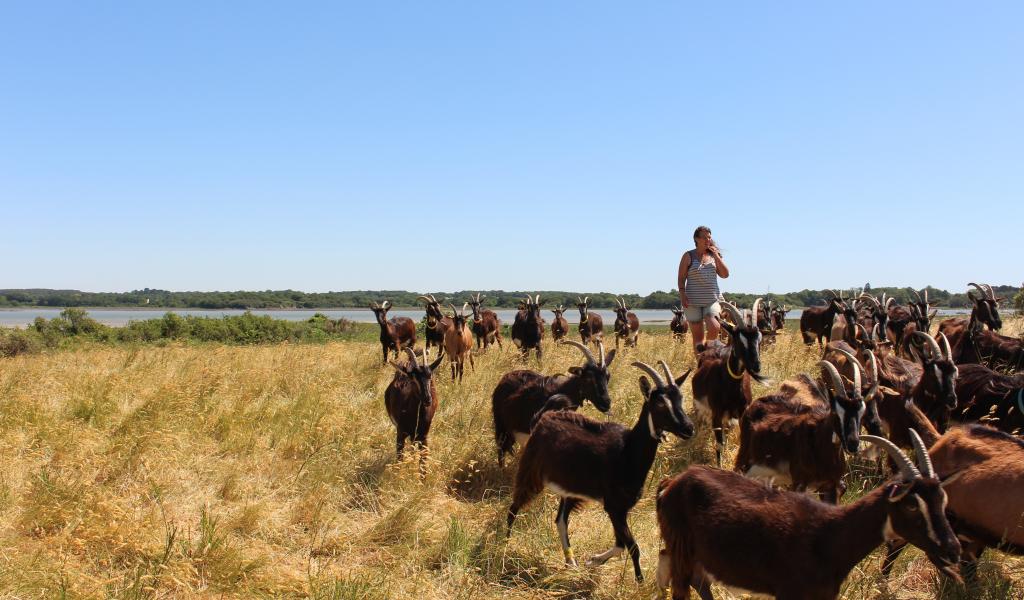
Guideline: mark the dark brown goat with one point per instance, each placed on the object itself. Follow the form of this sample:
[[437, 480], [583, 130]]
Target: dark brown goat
[[486, 324], [528, 327], [977, 465], [721, 385], [871, 312], [985, 396], [396, 333], [679, 325], [436, 323], [581, 459], [521, 396], [591, 324], [930, 385], [816, 321], [985, 313], [899, 319], [921, 319], [721, 526], [559, 326], [627, 325], [797, 437], [983, 346], [411, 401]]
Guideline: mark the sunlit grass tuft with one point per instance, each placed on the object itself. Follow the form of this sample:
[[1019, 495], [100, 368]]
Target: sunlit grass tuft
[[213, 471]]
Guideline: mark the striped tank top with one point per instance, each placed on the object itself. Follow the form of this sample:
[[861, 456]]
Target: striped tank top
[[702, 281]]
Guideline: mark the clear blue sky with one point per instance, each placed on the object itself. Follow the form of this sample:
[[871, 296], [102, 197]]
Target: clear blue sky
[[548, 145]]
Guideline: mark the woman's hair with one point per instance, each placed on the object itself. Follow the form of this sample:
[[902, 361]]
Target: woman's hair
[[700, 231]]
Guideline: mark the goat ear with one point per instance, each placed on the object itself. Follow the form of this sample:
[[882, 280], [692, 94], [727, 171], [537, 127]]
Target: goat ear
[[575, 370], [682, 378], [645, 386], [437, 362], [608, 358], [898, 491]]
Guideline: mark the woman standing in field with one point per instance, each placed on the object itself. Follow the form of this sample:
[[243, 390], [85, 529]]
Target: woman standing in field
[[699, 271]]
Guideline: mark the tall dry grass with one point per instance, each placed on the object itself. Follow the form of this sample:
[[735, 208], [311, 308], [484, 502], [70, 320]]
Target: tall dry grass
[[270, 472]]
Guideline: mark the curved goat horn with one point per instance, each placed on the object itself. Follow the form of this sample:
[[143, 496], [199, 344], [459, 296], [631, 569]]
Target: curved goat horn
[[870, 299], [756, 310], [874, 376], [600, 353], [658, 381], [586, 351], [423, 298], [874, 333], [668, 372], [933, 346], [916, 294], [907, 468], [991, 292], [947, 352], [412, 355], [463, 311], [837, 381], [734, 312], [923, 460]]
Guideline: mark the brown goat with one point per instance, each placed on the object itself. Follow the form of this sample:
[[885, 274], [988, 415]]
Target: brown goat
[[522, 395], [528, 327], [559, 326], [985, 396], [436, 323], [591, 325], [396, 333], [458, 341], [581, 459], [411, 401], [627, 325], [720, 526], [930, 386], [797, 437], [486, 324], [985, 312], [679, 325], [977, 465], [816, 321], [721, 384]]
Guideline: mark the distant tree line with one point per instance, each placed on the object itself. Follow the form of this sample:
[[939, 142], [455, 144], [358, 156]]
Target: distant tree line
[[284, 299]]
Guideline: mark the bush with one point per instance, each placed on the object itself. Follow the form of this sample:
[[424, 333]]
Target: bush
[[17, 341]]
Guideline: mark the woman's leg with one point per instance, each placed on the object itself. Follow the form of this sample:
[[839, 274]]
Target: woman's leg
[[712, 326], [697, 333]]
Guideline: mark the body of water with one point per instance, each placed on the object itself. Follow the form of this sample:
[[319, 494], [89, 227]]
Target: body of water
[[117, 317]]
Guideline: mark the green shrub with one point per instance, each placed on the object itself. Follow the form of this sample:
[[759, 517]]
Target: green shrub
[[18, 341]]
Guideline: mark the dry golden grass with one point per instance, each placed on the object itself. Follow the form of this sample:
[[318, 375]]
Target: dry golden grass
[[208, 471]]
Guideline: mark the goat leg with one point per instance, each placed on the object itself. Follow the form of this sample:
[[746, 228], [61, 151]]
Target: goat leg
[[565, 506]]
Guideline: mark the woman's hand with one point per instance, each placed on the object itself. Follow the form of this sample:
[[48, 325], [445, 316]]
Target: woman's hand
[[684, 300]]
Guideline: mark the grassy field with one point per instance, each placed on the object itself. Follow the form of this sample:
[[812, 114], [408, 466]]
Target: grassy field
[[269, 471]]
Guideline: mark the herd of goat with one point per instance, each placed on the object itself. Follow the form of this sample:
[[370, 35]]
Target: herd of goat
[[955, 398]]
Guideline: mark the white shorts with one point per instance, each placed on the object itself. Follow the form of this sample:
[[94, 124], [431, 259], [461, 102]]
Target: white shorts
[[696, 314]]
